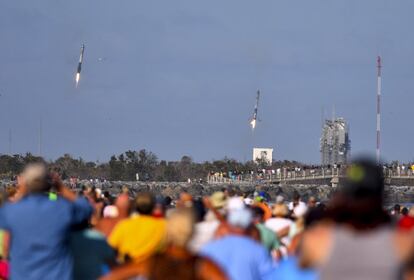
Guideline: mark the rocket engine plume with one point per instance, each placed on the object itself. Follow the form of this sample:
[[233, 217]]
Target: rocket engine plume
[[253, 124], [77, 78], [253, 121], [78, 70]]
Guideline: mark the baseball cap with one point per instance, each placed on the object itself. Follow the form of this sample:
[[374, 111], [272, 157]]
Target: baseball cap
[[364, 178]]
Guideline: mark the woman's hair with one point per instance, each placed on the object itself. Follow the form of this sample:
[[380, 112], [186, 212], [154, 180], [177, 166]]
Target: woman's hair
[[180, 226], [280, 210]]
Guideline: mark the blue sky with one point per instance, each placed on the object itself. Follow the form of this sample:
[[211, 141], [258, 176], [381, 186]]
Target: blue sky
[[179, 77]]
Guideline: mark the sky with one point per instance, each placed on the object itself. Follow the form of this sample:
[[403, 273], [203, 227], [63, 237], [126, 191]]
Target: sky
[[180, 77]]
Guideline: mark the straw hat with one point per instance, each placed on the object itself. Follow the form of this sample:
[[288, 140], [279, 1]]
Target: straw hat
[[218, 200]]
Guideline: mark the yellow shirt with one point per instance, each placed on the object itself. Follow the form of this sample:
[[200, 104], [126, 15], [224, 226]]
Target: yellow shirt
[[139, 237]]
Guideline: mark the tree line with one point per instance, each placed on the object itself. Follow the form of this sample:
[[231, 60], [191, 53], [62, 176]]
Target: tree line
[[126, 166]]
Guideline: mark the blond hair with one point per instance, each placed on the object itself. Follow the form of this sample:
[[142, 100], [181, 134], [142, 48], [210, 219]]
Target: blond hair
[[280, 210], [180, 227]]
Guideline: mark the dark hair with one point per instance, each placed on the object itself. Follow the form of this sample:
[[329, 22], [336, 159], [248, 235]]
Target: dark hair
[[362, 214], [404, 211], [199, 210], [359, 201], [167, 201], [314, 215], [231, 191], [145, 203], [397, 208], [258, 212]]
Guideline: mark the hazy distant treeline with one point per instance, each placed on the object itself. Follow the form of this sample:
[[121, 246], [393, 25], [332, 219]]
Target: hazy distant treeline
[[126, 165]]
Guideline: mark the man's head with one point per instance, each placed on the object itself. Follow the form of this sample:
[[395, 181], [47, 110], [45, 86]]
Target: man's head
[[35, 178], [364, 180], [359, 200], [185, 200], [312, 202], [145, 203], [238, 215], [230, 191], [397, 209]]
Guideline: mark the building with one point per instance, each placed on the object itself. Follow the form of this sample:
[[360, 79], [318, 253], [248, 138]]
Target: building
[[260, 154], [335, 143]]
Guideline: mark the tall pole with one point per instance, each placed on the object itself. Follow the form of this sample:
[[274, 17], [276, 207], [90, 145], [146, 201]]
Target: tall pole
[[40, 136], [378, 108], [10, 141]]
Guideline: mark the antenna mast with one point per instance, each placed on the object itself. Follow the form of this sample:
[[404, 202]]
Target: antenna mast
[[378, 108]]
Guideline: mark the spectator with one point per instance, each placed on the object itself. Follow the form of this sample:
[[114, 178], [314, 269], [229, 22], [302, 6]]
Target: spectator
[[280, 224], [267, 236], [206, 228], [238, 255], [92, 255], [140, 236], [360, 244], [312, 202], [177, 262], [40, 227], [404, 211], [296, 201], [114, 214]]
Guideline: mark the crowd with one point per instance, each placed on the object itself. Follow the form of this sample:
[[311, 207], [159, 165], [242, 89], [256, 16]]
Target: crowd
[[50, 232]]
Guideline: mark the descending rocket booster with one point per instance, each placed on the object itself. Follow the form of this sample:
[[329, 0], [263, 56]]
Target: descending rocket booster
[[78, 71], [253, 121]]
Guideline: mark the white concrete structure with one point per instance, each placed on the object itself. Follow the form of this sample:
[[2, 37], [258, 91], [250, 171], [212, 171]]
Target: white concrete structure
[[263, 153]]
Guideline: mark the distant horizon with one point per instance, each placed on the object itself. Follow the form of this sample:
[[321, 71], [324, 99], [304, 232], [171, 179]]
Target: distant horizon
[[101, 161]]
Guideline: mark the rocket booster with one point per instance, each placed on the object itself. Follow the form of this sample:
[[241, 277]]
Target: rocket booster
[[78, 70], [81, 58], [254, 118]]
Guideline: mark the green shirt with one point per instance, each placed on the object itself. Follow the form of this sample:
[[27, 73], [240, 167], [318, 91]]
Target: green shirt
[[268, 237]]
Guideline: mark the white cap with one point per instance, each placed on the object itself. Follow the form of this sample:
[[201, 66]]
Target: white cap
[[235, 203], [110, 211], [248, 201], [300, 210]]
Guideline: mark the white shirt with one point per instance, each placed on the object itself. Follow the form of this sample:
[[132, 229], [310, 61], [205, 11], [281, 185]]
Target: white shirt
[[204, 232], [277, 224]]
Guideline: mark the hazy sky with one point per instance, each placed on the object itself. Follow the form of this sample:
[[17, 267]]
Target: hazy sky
[[180, 77]]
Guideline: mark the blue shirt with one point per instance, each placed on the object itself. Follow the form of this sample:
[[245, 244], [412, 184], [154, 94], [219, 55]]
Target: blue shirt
[[289, 269], [40, 229], [241, 258]]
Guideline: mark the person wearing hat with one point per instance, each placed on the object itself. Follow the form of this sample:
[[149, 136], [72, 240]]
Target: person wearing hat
[[280, 224], [260, 201], [240, 256], [357, 240], [218, 200], [205, 230]]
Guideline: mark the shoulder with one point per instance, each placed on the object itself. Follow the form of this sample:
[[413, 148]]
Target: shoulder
[[404, 243], [317, 243], [122, 224], [207, 269]]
